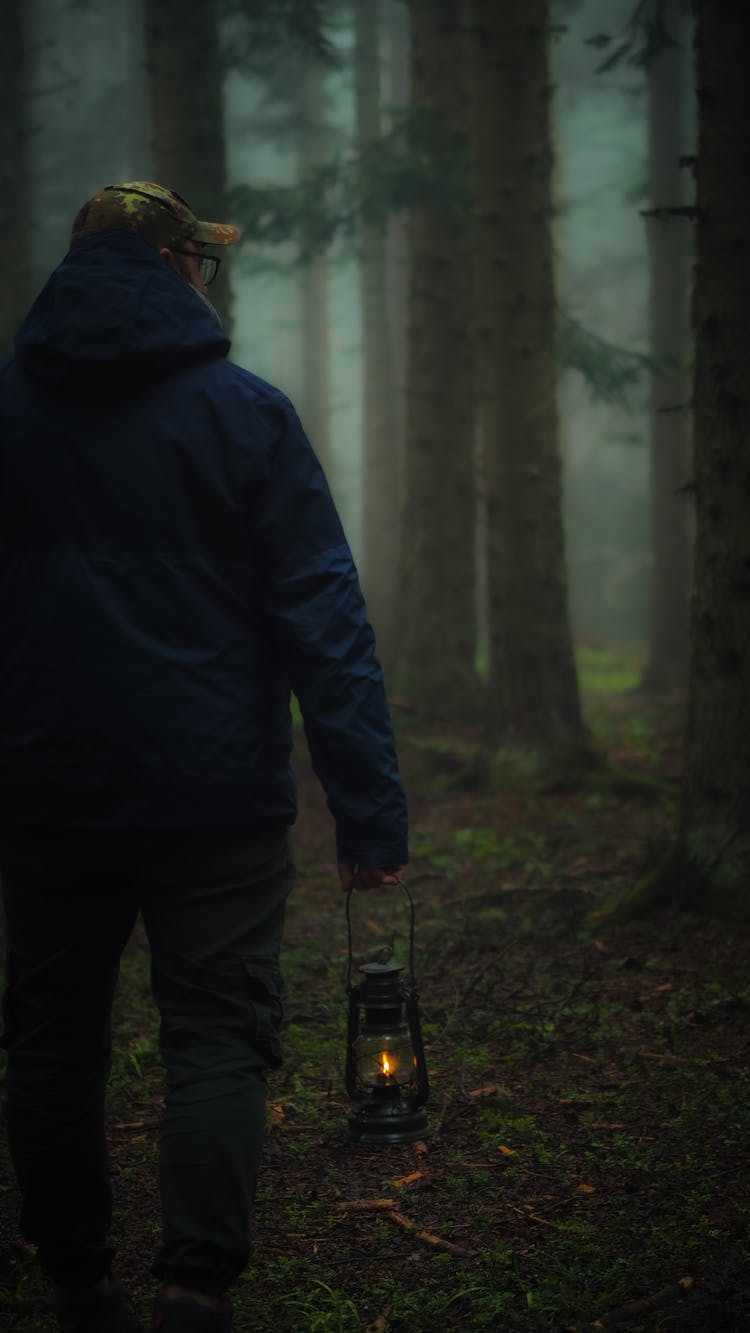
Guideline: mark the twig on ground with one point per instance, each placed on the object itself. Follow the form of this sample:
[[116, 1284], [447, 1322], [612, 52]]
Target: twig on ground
[[626, 1313], [441, 1116], [428, 1238], [363, 1205], [388, 1206]]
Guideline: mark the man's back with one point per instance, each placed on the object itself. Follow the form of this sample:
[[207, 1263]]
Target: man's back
[[170, 562]]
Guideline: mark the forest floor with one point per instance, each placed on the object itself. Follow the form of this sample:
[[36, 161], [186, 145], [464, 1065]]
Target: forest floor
[[587, 1164]]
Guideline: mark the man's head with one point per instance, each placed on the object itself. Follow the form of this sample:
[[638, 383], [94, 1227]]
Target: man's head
[[164, 219]]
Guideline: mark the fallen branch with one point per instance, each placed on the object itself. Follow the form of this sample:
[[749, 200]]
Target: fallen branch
[[428, 1238], [626, 1313], [388, 1206]]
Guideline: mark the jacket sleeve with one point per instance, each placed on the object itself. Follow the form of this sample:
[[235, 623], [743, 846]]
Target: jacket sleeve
[[312, 595]]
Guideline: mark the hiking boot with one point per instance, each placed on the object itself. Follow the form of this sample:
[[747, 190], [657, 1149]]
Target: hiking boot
[[181, 1314], [96, 1310]]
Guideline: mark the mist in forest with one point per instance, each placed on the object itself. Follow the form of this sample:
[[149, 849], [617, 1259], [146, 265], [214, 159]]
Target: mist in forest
[[291, 102]]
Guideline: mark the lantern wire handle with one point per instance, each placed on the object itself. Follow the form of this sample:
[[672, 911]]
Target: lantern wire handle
[[411, 937]]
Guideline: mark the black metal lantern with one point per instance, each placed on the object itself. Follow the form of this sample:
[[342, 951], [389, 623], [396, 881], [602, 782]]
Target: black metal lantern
[[386, 1073]]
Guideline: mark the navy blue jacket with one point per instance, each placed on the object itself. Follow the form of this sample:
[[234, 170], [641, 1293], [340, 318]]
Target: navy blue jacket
[[171, 564]]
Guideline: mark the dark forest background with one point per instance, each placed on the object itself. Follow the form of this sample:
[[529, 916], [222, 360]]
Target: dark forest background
[[473, 236]]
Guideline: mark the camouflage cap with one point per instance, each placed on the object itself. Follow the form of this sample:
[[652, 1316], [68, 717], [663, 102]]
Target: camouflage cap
[[159, 215]]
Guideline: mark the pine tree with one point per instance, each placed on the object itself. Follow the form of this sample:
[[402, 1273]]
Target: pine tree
[[185, 75], [437, 618], [315, 398], [533, 693], [712, 867], [669, 244], [381, 514]]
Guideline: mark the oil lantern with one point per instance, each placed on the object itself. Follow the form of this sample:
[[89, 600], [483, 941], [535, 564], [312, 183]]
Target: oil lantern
[[386, 1073]]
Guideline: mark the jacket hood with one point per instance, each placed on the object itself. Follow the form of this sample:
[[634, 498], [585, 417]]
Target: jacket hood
[[114, 316]]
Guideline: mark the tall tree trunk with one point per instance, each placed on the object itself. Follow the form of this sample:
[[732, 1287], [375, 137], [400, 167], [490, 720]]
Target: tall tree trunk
[[315, 399], [669, 245], [437, 620], [381, 516], [185, 75], [15, 221], [533, 691], [713, 861], [397, 99]]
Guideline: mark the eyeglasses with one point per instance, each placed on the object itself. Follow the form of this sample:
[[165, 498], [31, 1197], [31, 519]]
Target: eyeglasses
[[208, 264]]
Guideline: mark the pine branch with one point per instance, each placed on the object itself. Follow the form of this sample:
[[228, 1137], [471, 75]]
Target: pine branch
[[608, 370]]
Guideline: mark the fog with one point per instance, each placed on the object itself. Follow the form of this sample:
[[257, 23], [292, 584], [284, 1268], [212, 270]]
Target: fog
[[88, 124]]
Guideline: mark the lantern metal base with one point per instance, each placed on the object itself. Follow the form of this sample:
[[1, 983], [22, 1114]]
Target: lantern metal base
[[388, 1122]]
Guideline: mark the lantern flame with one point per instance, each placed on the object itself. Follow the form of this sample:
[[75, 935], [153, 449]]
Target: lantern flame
[[385, 1063]]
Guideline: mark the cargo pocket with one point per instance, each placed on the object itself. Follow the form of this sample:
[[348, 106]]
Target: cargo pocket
[[265, 988]]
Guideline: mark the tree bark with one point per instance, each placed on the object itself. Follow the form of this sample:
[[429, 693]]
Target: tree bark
[[397, 96], [15, 218], [669, 245], [713, 849], [381, 517], [315, 400], [437, 619], [533, 691], [186, 77]]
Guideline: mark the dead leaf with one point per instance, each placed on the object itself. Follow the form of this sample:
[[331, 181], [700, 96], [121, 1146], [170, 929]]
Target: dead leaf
[[507, 1152], [420, 1148], [667, 986], [686, 1282], [607, 1124], [587, 1189], [486, 1090], [406, 1180], [601, 946], [589, 1059], [373, 926]]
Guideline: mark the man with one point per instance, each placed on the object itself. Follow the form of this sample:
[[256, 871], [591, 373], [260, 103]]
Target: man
[[171, 565]]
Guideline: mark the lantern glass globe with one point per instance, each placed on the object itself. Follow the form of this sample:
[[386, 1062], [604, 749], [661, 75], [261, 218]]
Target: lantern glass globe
[[385, 1059]]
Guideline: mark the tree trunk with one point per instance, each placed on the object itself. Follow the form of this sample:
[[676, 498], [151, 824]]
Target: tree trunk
[[437, 620], [381, 517], [713, 854], [669, 245], [185, 75], [15, 218], [397, 99], [533, 691], [315, 399]]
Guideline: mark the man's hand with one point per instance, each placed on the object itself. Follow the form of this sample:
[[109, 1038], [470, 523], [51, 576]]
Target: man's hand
[[367, 877]]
